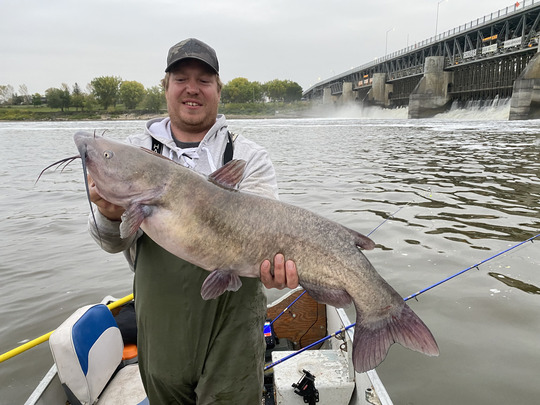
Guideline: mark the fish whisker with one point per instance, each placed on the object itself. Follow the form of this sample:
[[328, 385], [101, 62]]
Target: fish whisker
[[63, 163]]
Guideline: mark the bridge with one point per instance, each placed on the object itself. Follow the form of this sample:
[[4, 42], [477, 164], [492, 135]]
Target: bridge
[[495, 56]]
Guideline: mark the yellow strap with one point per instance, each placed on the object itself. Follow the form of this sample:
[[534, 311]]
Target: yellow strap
[[44, 338]]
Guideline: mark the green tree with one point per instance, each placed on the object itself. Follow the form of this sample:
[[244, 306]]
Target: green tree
[[106, 90], [90, 103], [65, 96], [53, 97], [293, 91], [58, 98], [283, 90], [241, 90], [131, 93], [36, 100], [77, 98], [154, 99], [274, 89]]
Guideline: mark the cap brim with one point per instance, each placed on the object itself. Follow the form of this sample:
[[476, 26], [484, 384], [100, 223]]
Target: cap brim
[[168, 69]]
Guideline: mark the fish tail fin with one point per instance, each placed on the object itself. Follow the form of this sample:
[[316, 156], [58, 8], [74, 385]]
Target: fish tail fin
[[372, 341]]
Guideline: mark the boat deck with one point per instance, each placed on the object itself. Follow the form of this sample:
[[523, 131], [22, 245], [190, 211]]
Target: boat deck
[[328, 365]]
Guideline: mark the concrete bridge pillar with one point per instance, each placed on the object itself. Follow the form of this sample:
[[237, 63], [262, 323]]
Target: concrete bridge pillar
[[378, 94], [430, 96], [525, 104], [327, 96], [347, 93]]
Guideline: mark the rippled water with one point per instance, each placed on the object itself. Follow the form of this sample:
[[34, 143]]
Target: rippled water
[[465, 190]]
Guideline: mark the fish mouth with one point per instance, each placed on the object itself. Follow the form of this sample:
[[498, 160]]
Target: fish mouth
[[82, 145], [79, 139]]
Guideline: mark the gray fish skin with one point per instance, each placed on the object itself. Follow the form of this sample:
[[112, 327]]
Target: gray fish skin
[[230, 233]]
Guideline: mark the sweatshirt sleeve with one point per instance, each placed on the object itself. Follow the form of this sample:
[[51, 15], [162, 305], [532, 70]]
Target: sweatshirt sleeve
[[260, 176]]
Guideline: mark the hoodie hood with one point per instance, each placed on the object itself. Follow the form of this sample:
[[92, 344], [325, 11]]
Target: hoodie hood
[[205, 158]]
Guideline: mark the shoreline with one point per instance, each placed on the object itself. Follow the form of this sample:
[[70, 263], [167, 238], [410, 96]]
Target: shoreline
[[146, 117], [231, 111]]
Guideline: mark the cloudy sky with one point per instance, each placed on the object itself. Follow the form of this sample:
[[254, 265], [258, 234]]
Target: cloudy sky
[[45, 43]]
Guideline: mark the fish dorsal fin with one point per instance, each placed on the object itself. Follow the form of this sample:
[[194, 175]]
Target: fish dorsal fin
[[229, 175], [362, 241]]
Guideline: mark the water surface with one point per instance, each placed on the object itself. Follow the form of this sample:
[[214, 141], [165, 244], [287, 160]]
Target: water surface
[[467, 189]]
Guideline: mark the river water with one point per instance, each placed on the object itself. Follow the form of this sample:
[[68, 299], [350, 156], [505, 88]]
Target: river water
[[467, 183]]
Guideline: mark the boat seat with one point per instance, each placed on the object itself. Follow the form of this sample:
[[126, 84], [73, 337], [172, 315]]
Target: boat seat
[[87, 349]]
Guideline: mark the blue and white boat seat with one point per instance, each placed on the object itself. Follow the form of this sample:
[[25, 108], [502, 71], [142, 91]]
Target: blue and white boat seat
[[87, 349]]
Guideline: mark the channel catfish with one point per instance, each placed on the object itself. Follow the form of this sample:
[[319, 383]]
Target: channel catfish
[[205, 221]]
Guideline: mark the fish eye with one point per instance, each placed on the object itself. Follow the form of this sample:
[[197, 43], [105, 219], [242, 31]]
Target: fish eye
[[108, 154]]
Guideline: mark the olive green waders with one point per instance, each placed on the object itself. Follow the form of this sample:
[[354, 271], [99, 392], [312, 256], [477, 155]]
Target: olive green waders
[[193, 351]]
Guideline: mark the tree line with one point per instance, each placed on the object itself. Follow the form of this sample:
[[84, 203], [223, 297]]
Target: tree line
[[108, 91], [241, 90], [104, 92]]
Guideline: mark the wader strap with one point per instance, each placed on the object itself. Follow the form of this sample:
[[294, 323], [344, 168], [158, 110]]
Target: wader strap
[[156, 146], [227, 156]]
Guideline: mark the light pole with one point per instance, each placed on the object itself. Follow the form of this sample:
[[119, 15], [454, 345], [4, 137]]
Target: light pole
[[437, 21], [386, 44]]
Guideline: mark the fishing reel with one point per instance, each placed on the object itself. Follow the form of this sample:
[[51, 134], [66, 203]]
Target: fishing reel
[[306, 388]]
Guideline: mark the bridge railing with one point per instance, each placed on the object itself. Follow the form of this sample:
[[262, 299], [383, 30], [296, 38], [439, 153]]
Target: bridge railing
[[517, 7]]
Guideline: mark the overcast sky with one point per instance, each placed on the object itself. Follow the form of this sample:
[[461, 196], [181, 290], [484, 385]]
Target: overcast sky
[[45, 43]]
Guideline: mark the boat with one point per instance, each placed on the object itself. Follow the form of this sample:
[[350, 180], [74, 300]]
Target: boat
[[308, 359]]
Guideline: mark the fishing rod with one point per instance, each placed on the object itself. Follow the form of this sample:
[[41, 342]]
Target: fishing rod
[[45, 337], [287, 308], [324, 339], [389, 218], [392, 215], [474, 266]]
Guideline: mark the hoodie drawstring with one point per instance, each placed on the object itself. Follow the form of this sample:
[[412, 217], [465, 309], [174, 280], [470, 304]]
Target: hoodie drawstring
[[189, 155]]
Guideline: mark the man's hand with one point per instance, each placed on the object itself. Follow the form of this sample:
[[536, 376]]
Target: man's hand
[[285, 274], [107, 209]]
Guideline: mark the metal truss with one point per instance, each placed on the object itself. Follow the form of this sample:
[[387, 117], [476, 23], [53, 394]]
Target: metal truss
[[486, 54]]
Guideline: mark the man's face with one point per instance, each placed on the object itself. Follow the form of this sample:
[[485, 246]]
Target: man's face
[[192, 98]]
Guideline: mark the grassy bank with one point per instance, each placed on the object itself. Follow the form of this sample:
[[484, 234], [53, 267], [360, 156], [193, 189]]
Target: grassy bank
[[231, 110], [30, 114], [25, 113], [264, 110]]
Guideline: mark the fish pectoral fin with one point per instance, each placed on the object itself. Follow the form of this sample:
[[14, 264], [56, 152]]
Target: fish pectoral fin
[[229, 175], [333, 296], [132, 219], [218, 282]]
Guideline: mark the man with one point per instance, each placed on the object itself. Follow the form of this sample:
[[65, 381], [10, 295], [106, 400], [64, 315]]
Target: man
[[193, 351]]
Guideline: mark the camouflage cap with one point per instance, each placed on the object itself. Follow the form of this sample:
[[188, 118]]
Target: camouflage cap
[[192, 48]]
